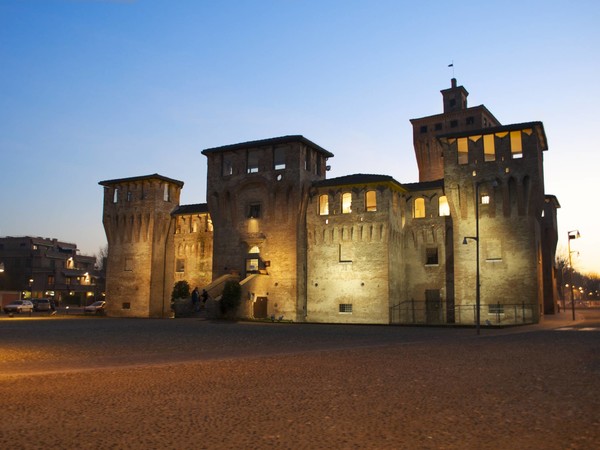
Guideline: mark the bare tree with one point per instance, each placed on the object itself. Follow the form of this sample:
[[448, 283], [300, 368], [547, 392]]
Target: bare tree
[[101, 257]]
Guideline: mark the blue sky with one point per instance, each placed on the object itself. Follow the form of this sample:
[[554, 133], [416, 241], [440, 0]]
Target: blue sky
[[96, 90]]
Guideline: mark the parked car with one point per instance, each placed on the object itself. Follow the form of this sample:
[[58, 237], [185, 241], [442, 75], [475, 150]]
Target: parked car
[[95, 308], [41, 304], [18, 306]]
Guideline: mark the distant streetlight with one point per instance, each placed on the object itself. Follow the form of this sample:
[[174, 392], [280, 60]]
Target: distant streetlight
[[1, 267], [573, 234]]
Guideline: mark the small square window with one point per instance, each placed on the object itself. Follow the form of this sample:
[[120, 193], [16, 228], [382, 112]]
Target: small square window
[[470, 120], [438, 126], [431, 256], [345, 308], [424, 129], [453, 123]]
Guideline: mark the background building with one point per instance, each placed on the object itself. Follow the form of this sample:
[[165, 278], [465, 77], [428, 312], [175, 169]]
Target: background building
[[41, 267], [477, 229]]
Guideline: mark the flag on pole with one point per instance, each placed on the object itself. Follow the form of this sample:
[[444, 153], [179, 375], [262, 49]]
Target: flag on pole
[[451, 65]]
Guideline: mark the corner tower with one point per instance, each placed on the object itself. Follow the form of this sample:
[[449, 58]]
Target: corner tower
[[137, 221]]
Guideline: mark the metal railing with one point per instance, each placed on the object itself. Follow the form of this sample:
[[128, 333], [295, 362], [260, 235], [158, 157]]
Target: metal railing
[[415, 312]]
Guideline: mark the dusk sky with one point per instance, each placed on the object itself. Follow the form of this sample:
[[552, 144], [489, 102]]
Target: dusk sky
[[97, 90]]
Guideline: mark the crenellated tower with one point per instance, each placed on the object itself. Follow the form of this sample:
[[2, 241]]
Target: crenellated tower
[[138, 224]]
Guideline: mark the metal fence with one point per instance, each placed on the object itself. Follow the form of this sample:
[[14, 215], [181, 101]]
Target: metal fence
[[414, 312]]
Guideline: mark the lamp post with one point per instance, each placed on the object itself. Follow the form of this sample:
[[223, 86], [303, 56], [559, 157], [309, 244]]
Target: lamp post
[[573, 234], [477, 276]]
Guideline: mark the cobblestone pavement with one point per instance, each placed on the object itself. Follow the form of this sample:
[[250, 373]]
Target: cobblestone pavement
[[186, 384]]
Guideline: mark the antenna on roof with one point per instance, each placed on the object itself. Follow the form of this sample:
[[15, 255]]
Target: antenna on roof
[[452, 65]]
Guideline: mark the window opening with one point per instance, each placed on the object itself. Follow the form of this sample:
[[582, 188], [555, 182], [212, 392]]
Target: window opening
[[324, 205], [252, 161], [227, 167], [279, 158], [166, 196], [180, 265], [419, 208], [371, 200], [254, 211], [345, 308], [444, 207], [463, 150], [116, 195], [431, 256], [489, 148], [346, 202], [516, 145]]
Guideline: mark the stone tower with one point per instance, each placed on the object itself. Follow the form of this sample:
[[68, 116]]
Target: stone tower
[[257, 195], [495, 188], [137, 221], [457, 117]]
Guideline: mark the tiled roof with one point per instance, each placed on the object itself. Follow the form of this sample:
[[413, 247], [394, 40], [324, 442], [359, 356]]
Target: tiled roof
[[267, 142], [140, 178], [197, 208], [358, 178]]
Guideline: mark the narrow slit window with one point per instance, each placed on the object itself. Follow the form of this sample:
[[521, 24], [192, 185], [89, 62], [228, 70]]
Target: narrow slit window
[[489, 148], [463, 150]]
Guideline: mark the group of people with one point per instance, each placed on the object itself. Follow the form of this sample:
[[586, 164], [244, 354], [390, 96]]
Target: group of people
[[196, 296]]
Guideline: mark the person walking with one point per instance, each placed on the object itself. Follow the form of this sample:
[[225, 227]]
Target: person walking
[[196, 299]]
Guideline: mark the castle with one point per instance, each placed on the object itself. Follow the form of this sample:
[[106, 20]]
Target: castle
[[474, 240]]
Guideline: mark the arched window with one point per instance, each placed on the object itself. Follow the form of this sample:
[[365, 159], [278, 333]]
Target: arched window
[[444, 208], [346, 203], [419, 208], [324, 205], [371, 200]]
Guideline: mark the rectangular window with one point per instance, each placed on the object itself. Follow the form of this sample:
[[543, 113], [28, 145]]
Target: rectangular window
[[463, 150], [254, 211], [371, 200], [324, 205], [470, 120], [419, 208], [345, 308], [129, 196], [453, 123], [346, 203], [438, 126], [489, 148], [444, 207], [252, 166], [50, 280], [516, 145], [485, 199], [431, 256], [67, 280], [227, 167], [116, 195], [279, 158], [166, 193], [307, 159], [180, 265], [126, 305], [424, 129]]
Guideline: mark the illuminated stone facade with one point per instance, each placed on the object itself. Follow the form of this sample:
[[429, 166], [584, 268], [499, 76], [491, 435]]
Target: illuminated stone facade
[[358, 248]]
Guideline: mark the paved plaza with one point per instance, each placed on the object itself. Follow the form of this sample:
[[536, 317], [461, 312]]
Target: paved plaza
[[72, 382]]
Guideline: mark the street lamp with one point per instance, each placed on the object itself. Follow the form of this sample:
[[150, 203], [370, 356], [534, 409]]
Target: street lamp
[[573, 234]]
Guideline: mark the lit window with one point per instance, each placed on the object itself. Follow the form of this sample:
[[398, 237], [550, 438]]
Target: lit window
[[463, 150], [516, 145], [345, 308], [346, 202], [116, 195], [485, 199], [252, 265], [279, 158], [444, 207], [489, 148], [180, 265], [166, 195], [419, 208], [324, 205], [496, 309], [252, 161], [431, 256], [371, 200]]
